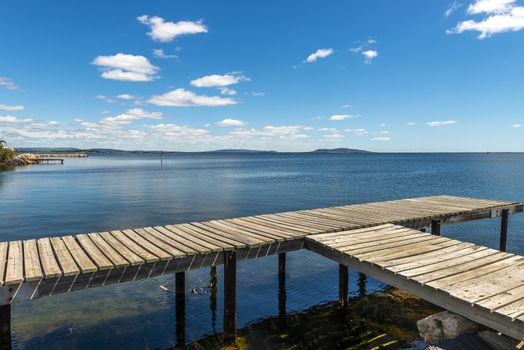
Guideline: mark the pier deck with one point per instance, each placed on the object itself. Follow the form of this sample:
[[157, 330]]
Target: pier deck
[[482, 284], [39, 267]]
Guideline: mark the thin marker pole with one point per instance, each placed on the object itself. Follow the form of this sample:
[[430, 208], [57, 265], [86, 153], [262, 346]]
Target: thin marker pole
[[504, 229]]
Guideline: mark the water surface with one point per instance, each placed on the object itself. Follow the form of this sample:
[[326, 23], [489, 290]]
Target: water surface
[[102, 193]]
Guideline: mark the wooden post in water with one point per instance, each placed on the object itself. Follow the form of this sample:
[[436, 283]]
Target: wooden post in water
[[230, 281], [343, 280], [504, 229], [180, 300], [282, 285], [435, 227], [5, 327]]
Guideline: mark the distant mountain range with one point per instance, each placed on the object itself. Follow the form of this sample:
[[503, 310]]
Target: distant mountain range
[[225, 151]]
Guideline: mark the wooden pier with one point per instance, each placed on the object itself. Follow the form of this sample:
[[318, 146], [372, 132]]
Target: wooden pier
[[49, 160], [354, 235]]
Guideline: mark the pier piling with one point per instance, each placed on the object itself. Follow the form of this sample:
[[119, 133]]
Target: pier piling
[[180, 300], [435, 227], [230, 281], [282, 284], [343, 280], [5, 327], [504, 229]]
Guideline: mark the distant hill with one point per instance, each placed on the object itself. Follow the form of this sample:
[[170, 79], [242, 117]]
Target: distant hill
[[239, 151], [339, 150]]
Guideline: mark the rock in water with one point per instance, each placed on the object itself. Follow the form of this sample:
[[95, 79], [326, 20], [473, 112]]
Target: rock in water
[[444, 325]]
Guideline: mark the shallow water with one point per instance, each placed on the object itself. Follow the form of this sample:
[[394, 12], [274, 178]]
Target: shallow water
[[101, 193]]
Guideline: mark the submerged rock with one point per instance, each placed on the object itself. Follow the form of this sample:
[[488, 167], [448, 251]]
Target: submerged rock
[[444, 325]]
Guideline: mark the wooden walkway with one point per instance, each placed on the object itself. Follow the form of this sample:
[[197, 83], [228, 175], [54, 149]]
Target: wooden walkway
[[482, 284], [38, 267]]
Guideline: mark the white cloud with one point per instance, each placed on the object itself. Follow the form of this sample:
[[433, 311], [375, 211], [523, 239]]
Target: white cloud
[[441, 123], [126, 97], [320, 53], [130, 116], [334, 130], [500, 16], [357, 132], [340, 117], [216, 80], [286, 132], [163, 31], [105, 98], [12, 119], [227, 91], [184, 98], [381, 139], [125, 67], [258, 93], [159, 53], [231, 122], [11, 108], [369, 55], [334, 136], [383, 125], [452, 8], [180, 131], [516, 126], [8, 83]]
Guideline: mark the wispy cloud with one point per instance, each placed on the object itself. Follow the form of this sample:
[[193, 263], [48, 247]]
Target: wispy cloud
[[159, 53], [11, 108], [382, 138], [126, 97], [184, 98], [411, 123], [8, 84], [164, 32], [357, 132], [217, 80], [231, 122], [125, 67], [441, 123], [516, 126], [320, 53], [368, 54], [452, 8], [130, 116], [338, 117], [13, 119], [499, 16]]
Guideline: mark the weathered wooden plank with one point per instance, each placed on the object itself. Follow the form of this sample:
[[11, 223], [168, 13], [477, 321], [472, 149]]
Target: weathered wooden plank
[[144, 254], [83, 261], [15, 263], [64, 257], [116, 259], [48, 260], [93, 252], [149, 242], [122, 249], [191, 236], [4, 246], [33, 271]]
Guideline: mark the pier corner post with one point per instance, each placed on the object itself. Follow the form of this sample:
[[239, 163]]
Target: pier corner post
[[180, 308], [282, 284], [343, 279], [435, 227], [5, 326], [504, 230], [230, 280]]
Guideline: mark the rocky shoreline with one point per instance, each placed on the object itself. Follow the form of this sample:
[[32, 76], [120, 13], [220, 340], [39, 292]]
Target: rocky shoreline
[[32, 158]]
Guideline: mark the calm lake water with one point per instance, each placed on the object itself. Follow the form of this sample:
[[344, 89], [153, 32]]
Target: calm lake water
[[102, 193]]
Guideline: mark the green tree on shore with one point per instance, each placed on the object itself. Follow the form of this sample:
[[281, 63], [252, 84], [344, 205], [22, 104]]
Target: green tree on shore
[[5, 153]]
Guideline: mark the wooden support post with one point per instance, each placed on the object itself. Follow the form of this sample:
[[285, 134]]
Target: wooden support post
[[230, 281], [282, 285], [504, 230], [5, 327], [180, 308], [435, 227], [343, 280]]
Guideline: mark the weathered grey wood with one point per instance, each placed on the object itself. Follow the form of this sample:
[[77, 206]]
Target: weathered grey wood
[[93, 252], [33, 271], [83, 261], [3, 260], [15, 263], [50, 266], [64, 257]]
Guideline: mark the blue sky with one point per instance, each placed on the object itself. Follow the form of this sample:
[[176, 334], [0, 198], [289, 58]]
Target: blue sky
[[291, 76]]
